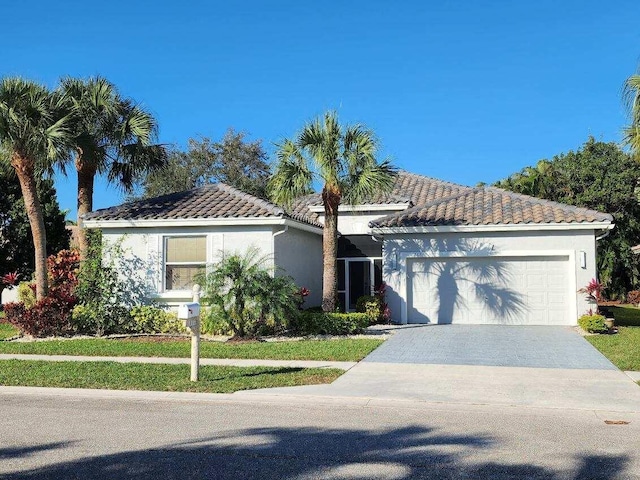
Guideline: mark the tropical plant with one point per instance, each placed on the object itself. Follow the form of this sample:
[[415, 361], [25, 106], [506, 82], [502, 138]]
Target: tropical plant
[[109, 287], [52, 314], [242, 294], [343, 159], [602, 177], [631, 96], [34, 134], [16, 245], [113, 136]]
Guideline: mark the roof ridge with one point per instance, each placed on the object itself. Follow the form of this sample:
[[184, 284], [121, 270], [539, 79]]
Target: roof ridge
[[545, 201], [433, 179], [276, 210]]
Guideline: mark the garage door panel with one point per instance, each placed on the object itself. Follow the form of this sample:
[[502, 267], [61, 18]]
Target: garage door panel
[[505, 290]]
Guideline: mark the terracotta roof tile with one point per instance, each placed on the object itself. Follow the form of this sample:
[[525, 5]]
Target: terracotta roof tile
[[210, 201]]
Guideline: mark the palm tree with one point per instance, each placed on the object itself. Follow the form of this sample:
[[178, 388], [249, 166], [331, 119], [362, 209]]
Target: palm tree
[[34, 135], [113, 137], [343, 158], [631, 95]]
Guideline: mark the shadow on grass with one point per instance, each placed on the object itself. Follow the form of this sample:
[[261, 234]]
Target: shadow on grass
[[300, 453]]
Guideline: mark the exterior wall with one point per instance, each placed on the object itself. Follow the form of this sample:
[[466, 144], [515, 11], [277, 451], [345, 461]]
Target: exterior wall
[[144, 246], [396, 249], [357, 223], [299, 254]]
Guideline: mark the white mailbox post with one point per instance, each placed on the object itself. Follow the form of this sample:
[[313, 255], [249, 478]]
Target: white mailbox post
[[190, 313]]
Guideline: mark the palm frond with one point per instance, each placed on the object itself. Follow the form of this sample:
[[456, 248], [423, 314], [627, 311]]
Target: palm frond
[[292, 177]]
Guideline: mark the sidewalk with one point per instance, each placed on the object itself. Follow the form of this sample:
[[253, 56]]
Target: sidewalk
[[232, 362]]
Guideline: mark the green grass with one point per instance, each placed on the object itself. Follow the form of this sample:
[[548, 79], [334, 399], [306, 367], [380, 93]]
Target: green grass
[[623, 349], [168, 378], [626, 315], [350, 349], [7, 331]]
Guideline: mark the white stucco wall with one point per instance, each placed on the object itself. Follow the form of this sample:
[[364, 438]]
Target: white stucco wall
[[299, 255], [357, 223], [146, 246], [396, 248]]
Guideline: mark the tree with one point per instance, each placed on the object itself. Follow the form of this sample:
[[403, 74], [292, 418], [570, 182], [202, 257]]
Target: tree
[[34, 134], [231, 160], [16, 248], [343, 158], [113, 136], [602, 177], [631, 95]]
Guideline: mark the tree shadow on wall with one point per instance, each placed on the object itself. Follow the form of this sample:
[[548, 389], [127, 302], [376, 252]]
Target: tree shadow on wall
[[484, 275], [299, 453]]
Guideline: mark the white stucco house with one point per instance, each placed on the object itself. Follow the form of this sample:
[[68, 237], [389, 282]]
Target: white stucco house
[[448, 253]]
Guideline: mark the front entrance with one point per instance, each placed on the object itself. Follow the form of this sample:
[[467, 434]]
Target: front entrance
[[357, 277]]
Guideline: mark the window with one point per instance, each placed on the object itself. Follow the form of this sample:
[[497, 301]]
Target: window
[[184, 258]]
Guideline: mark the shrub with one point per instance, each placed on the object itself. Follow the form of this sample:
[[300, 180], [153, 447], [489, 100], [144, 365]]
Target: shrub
[[109, 287], [245, 299], [149, 319], [214, 322], [52, 314], [592, 323], [27, 293], [321, 323], [371, 306], [633, 297]]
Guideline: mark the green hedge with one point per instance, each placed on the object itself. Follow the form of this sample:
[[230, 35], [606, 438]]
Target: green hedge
[[593, 323], [320, 323]]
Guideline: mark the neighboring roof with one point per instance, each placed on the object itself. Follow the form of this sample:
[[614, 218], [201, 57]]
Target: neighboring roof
[[210, 201], [488, 206], [636, 249]]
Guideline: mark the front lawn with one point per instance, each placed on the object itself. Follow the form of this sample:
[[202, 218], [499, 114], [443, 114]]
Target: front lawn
[[344, 349], [626, 315], [7, 331], [168, 378], [623, 348]]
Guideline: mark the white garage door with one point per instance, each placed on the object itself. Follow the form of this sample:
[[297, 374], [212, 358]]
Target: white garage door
[[505, 290]]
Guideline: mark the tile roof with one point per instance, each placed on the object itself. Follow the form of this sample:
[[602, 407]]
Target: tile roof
[[488, 206], [430, 202], [210, 201]]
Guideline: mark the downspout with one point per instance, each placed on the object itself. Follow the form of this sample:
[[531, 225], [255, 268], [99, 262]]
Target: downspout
[[605, 234], [273, 244]]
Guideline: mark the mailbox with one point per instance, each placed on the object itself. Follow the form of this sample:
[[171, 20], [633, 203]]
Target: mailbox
[[188, 311]]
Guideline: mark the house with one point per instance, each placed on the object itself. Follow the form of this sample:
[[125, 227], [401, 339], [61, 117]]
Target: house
[[448, 253]]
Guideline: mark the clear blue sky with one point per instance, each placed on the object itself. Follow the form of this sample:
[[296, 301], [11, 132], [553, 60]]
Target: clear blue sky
[[460, 90]]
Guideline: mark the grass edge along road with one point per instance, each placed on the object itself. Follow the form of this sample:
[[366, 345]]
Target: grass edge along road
[[156, 377]]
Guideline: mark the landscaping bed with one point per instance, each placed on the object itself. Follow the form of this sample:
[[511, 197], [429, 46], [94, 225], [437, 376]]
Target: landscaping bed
[[342, 349], [167, 378]]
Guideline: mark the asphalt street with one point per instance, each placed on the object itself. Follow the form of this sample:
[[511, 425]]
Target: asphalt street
[[65, 437]]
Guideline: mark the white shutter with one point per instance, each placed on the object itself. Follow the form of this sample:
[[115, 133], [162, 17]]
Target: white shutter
[[155, 257]]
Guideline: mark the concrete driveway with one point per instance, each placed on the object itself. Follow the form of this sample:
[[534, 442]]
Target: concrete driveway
[[548, 367]]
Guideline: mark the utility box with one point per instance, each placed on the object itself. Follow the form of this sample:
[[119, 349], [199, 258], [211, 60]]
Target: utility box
[[188, 311]]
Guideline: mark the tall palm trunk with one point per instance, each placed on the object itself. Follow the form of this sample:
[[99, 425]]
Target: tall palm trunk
[[25, 169], [86, 175], [331, 199]]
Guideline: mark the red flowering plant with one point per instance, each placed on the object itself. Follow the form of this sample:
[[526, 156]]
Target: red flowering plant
[[10, 280], [593, 292], [303, 293], [385, 311]]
